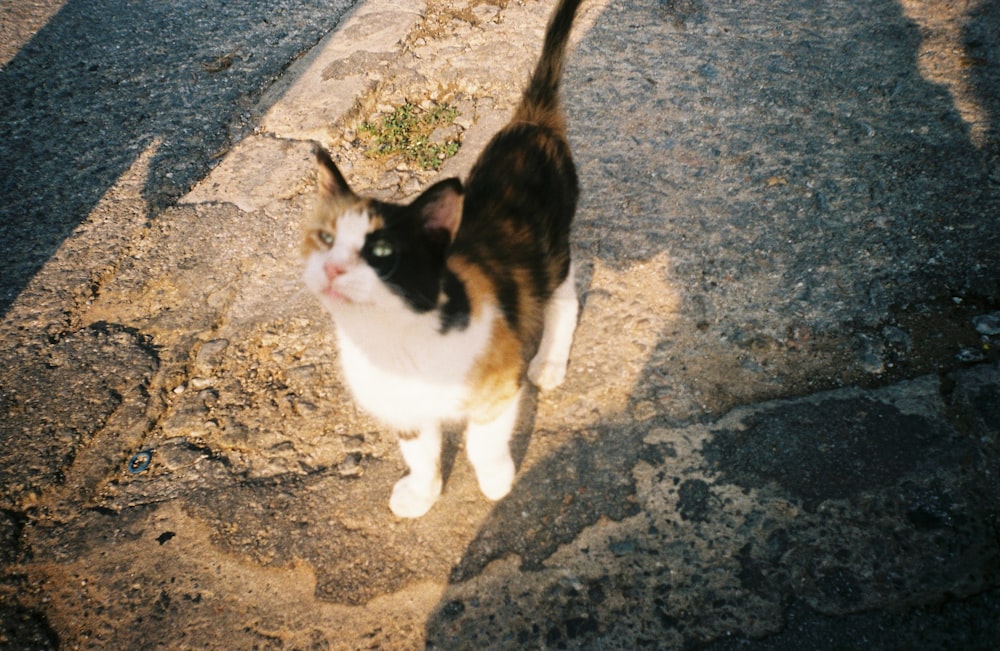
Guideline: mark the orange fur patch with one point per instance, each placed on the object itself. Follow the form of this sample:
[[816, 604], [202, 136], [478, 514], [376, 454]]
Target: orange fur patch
[[327, 211], [530, 310], [496, 376], [477, 286], [375, 221]]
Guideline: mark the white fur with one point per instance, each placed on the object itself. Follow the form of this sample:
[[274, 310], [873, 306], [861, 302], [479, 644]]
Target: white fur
[[488, 448], [414, 494], [404, 372], [548, 368], [399, 366], [359, 285]]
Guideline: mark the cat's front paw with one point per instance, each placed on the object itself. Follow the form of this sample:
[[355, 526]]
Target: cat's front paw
[[545, 374], [412, 499]]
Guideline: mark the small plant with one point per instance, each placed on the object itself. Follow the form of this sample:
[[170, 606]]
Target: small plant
[[407, 131]]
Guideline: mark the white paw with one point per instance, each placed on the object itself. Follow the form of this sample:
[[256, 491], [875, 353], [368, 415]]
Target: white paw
[[546, 374], [412, 499], [495, 482]]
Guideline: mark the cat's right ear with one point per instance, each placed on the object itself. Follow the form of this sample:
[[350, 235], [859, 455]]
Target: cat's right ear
[[440, 207], [331, 182]]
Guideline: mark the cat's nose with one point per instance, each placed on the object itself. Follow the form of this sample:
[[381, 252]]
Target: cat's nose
[[332, 270]]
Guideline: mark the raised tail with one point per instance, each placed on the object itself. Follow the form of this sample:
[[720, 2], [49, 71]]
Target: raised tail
[[540, 103]]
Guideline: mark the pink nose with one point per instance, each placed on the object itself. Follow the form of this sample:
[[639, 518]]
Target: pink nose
[[333, 270]]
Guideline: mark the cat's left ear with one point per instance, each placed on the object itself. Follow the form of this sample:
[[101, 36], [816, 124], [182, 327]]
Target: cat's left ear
[[331, 182], [440, 206]]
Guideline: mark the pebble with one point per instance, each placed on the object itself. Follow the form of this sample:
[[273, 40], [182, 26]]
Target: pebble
[[303, 407], [199, 383], [970, 355], [210, 353], [869, 354], [987, 324], [411, 187], [350, 466], [444, 134]]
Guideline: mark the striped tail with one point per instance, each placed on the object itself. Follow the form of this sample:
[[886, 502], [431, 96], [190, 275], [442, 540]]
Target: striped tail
[[540, 104]]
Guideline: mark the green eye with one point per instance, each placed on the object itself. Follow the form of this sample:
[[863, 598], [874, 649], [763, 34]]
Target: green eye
[[382, 249], [326, 237]]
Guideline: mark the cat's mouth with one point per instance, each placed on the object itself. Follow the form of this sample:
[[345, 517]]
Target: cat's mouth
[[331, 293], [343, 296]]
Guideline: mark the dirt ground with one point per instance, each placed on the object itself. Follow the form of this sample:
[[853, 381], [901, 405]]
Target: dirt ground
[[780, 426]]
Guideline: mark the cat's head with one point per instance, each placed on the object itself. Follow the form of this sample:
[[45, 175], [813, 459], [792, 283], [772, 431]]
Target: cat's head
[[363, 252]]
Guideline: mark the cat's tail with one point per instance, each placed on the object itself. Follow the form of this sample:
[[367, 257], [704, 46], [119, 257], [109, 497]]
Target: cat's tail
[[540, 104]]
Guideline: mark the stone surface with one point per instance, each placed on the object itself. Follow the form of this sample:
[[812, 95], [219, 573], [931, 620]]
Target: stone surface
[[766, 439]]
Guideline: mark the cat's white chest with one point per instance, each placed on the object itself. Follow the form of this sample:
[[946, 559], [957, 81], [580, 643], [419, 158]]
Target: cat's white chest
[[408, 374]]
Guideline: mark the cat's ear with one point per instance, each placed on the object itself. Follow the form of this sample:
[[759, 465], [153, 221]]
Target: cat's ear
[[440, 207], [331, 182]]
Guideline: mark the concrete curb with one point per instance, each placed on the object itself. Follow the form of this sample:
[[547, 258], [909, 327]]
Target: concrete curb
[[275, 163]]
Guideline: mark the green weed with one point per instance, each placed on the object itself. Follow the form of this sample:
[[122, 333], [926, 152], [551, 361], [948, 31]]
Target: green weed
[[407, 131]]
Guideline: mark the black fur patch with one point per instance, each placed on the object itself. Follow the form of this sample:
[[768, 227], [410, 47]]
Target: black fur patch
[[507, 291], [456, 309], [413, 270]]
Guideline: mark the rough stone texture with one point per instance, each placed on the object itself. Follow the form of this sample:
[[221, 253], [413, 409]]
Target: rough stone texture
[[780, 426], [714, 528]]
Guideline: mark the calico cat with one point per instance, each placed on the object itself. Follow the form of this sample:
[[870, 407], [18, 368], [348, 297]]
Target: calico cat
[[440, 304]]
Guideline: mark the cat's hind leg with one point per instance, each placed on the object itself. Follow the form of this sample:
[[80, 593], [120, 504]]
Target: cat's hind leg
[[414, 494], [487, 445], [548, 368]]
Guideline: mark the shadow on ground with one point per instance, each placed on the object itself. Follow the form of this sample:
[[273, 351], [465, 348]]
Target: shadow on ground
[[817, 198], [103, 82]]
